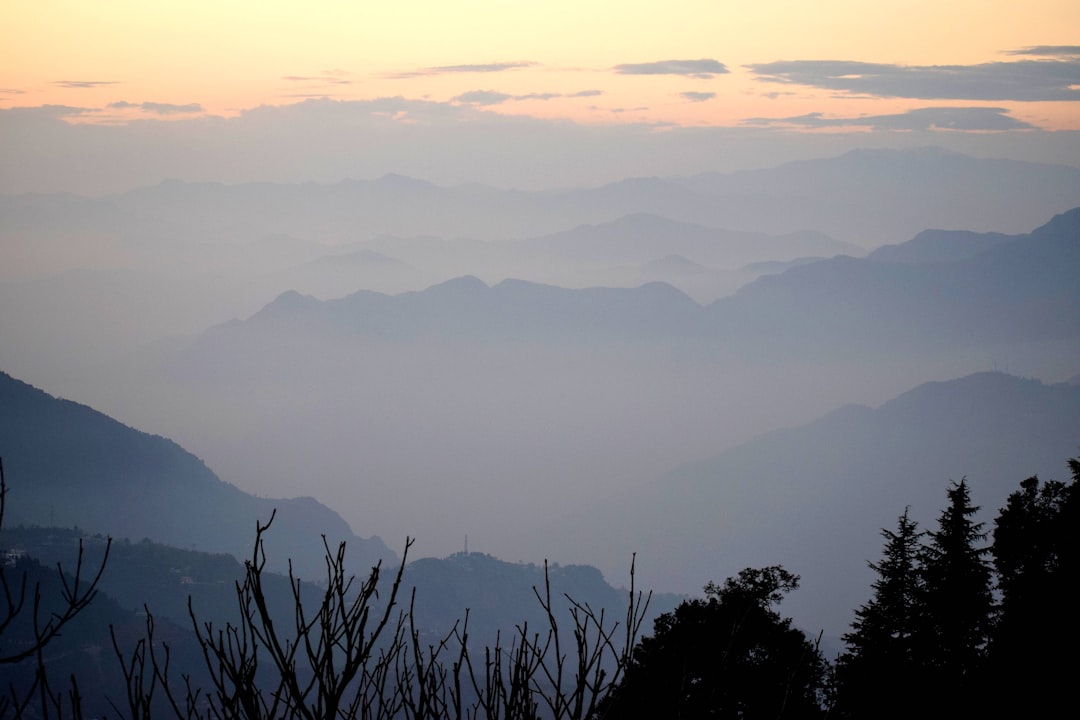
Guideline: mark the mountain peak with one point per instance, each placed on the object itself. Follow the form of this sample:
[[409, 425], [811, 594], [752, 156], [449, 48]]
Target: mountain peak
[[290, 301], [458, 285], [405, 182], [1065, 224]]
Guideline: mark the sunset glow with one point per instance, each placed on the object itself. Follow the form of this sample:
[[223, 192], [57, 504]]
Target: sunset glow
[[549, 60], [516, 92]]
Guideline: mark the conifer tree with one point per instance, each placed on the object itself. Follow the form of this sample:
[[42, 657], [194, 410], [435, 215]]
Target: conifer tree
[[957, 603], [877, 675]]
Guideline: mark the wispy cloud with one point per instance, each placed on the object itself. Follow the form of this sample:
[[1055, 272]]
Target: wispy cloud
[[621, 110], [158, 108], [51, 111], [931, 118], [1019, 80], [492, 97], [470, 68], [306, 96], [700, 69], [482, 97], [1061, 51], [83, 84], [11, 91], [697, 96], [329, 78]]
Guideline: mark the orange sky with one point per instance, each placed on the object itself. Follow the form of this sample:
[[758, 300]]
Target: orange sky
[[174, 60]]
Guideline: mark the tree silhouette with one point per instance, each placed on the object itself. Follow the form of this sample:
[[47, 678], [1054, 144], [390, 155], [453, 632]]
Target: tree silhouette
[[879, 675], [730, 655], [1035, 553], [352, 654], [957, 604]]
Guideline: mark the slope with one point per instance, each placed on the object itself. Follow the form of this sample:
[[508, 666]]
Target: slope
[[814, 497], [76, 466]]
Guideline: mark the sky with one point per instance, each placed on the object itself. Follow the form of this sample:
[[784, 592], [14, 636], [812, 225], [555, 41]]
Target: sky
[[110, 95]]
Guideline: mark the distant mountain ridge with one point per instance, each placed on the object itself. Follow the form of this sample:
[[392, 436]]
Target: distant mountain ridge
[[877, 196], [936, 291], [466, 307], [454, 387], [69, 465], [940, 246], [642, 237], [868, 197], [814, 497], [1023, 288]]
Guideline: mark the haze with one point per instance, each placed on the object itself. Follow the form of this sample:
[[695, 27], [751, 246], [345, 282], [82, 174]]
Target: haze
[[480, 268]]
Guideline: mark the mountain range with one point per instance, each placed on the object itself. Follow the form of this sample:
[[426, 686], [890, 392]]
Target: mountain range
[[87, 280], [467, 408], [941, 289], [472, 401], [868, 197]]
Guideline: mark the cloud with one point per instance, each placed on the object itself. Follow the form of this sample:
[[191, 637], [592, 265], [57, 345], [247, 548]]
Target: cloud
[[158, 108], [492, 97], [11, 91], [170, 109], [1019, 80], [482, 97], [51, 112], [700, 69], [328, 78], [698, 96], [777, 94], [83, 84], [1048, 51], [472, 68], [306, 96], [931, 118]]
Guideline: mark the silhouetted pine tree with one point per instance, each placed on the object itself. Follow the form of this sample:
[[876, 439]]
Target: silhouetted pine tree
[[879, 674], [956, 606]]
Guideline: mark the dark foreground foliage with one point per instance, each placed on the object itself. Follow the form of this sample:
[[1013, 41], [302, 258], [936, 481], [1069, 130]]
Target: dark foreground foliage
[[958, 627], [729, 655]]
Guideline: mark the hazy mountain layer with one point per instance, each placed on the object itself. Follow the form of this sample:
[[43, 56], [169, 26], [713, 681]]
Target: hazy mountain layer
[[814, 497], [69, 465], [868, 197], [965, 293], [877, 196], [84, 281], [469, 409], [1019, 290], [940, 246]]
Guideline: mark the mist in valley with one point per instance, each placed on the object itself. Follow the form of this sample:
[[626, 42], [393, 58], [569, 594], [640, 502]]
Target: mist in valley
[[532, 315], [493, 387]]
